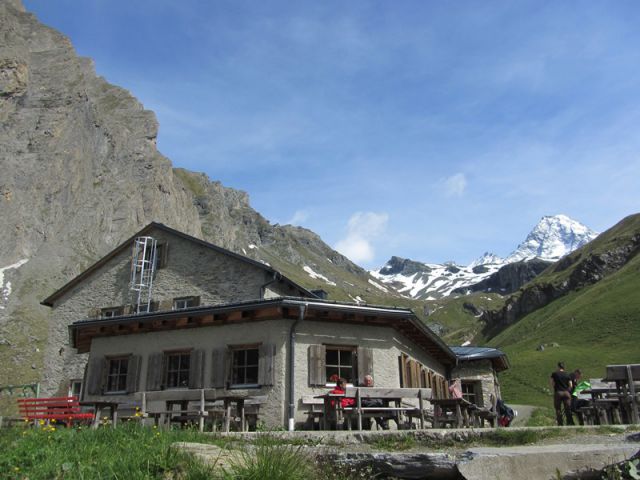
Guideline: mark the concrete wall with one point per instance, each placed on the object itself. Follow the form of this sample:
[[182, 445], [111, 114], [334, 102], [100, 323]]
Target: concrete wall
[[191, 270], [386, 343]]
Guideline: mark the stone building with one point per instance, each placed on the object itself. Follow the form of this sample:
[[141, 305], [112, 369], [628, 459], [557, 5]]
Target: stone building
[[220, 321], [478, 369]]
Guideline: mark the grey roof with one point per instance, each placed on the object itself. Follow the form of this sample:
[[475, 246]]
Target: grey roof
[[497, 357]]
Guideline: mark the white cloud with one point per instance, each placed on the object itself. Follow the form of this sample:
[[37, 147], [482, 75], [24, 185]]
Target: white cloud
[[363, 227], [455, 185], [299, 217]]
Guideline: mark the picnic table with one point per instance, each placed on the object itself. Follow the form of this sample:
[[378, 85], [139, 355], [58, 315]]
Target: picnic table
[[183, 406], [627, 381], [457, 412], [396, 401], [229, 405]]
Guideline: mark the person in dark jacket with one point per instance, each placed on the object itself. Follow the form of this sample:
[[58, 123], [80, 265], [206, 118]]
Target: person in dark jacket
[[561, 384]]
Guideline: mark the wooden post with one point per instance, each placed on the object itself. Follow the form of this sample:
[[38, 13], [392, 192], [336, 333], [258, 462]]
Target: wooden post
[[421, 406], [632, 393], [96, 419], [114, 415], [227, 415], [359, 409], [240, 406], [202, 412], [458, 415]]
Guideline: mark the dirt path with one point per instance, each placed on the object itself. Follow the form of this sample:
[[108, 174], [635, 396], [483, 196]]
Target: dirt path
[[524, 413]]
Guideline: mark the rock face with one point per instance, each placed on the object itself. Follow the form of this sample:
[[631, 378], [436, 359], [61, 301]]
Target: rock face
[[509, 278], [81, 173]]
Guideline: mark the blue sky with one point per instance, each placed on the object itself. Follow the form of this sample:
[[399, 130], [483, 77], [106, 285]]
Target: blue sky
[[432, 130]]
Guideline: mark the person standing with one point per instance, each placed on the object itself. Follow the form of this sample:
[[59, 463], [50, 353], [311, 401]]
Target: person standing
[[561, 384]]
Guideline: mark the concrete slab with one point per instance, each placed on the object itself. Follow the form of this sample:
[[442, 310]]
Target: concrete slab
[[540, 462]]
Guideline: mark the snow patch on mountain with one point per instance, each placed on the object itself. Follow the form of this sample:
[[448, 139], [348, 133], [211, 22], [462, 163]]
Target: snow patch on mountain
[[551, 239], [317, 276], [378, 286], [5, 289]]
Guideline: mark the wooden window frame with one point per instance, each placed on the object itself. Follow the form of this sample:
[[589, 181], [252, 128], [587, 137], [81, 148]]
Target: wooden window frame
[[110, 312], [354, 363], [118, 377], [193, 298], [179, 371], [234, 352], [476, 390]]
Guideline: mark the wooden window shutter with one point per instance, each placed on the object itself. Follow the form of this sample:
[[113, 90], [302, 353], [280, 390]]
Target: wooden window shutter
[[415, 374], [163, 255], [133, 373], [266, 370], [94, 313], [97, 370], [196, 367], [219, 368], [317, 370], [128, 309], [154, 306], [365, 363], [155, 371]]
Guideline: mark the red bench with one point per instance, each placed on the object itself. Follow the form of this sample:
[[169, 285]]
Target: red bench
[[61, 409]]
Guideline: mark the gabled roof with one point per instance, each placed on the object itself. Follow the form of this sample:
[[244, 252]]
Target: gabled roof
[[401, 319], [159, 226], [498, 358]]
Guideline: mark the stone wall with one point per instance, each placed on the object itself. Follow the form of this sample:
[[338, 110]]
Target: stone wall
[[479, 371], [191, 270], [385, 343]]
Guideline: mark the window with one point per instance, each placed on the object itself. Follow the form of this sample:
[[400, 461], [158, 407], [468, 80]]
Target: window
[[185, 302], [470, 391], [75, 388], [341, 361], [117, 369], [111, 312], [177, 374], [244, 366]]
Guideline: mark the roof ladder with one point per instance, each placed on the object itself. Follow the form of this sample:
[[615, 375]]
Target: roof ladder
[[143, 267]]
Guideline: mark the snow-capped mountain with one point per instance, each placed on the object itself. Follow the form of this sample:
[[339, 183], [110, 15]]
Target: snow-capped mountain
[[552, 238]]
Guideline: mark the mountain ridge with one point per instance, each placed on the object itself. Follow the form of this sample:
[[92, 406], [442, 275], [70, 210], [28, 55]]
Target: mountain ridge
[[550, 239]]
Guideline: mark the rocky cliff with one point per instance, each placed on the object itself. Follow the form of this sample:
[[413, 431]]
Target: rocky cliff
[[509, 278], [81, 173]]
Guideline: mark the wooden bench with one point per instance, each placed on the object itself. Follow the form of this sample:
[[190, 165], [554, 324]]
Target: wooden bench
[[196, 405], [314, 408], [401, 412], [490, 414], [65, 410]]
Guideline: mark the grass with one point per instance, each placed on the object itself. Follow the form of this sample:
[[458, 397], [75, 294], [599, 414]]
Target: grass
[[133, 452], [588, 329], [130, 452]]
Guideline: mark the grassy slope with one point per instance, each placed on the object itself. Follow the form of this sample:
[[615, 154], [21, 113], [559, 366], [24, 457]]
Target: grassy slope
[[459, 323], [593, 327]]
